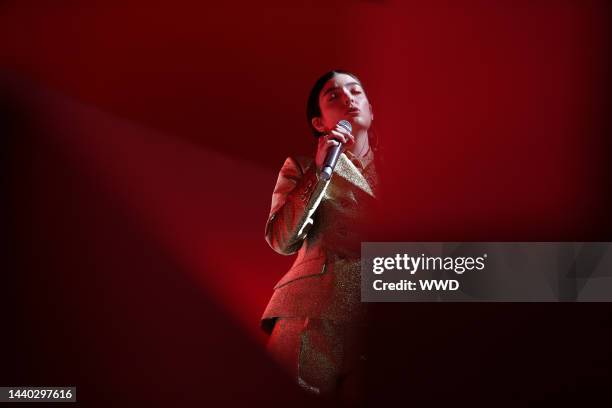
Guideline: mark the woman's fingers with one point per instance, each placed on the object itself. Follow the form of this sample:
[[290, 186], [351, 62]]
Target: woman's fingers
[[341, 137], [328, 140], [345, 131], [342, 129], [335, 136]]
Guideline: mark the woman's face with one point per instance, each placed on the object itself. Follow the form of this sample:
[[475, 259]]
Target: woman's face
[[342, 97]]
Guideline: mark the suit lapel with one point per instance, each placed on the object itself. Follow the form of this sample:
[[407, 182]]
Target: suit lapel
[[348, 171]]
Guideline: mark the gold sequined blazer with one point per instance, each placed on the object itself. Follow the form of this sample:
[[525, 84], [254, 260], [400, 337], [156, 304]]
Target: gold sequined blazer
[[324, 222]]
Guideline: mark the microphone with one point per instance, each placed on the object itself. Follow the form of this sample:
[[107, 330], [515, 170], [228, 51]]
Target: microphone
[[332, 154]]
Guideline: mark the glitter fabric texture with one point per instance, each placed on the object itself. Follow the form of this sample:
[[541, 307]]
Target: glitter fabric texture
[[323, 356], [315, 315]]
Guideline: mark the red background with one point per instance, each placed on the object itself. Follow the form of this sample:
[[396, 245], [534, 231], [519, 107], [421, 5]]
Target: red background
[[145, 138]]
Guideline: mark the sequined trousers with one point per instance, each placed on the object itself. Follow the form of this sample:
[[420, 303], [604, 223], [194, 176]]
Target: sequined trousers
[[323, 356]]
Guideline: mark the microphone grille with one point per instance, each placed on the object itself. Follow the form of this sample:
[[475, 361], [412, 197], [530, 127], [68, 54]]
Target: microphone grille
[[346, 124]]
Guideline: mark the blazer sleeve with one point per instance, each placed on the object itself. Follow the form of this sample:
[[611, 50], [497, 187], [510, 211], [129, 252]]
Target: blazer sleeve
[[295, 199]]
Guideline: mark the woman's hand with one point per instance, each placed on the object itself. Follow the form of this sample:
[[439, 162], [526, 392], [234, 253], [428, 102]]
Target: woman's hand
[[337, 135]]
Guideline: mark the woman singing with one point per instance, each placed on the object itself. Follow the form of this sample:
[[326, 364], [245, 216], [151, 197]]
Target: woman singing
[[315, 317]]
